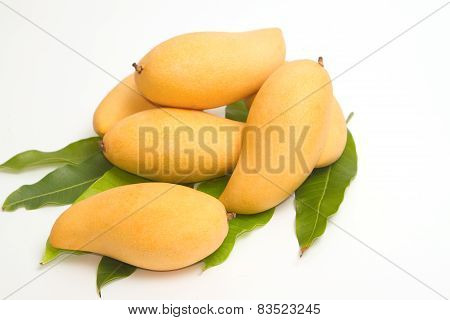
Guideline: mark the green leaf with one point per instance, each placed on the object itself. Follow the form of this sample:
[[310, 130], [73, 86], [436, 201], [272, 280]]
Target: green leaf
[[74, 153], [51, 253], [109, 270], [321, 195], [114, 177], [236, 227], [237, 111], [60, 187], [214, 187]]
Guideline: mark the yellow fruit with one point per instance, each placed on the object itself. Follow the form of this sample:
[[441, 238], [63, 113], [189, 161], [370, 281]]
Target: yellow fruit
[[209, 69], [174, 145], [294, 103], [336, 137], [120, 102], [156, 226]]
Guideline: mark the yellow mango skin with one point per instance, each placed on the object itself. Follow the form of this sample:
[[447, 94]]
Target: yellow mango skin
[[169, 162], [155, 226], [297, 95], [209, 69], [336, 138], [123, 100]]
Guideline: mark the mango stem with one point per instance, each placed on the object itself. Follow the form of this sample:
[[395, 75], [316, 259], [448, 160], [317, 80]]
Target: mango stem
[[320, 61], [102, 146], [137, 67], [231, 216]]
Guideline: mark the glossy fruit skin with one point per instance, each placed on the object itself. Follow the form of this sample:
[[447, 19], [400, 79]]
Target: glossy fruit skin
[[177, 145], [294, 98], [123, 100], [206, 70], [336, 137], [155, 226]]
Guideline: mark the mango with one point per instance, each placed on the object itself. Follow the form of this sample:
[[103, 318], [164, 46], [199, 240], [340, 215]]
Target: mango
[[287, 127], [174, 145], [123, 100], [205, 70], [155, 226], [336, 138]]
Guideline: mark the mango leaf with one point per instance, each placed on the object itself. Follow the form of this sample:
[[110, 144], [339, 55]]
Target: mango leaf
[[321, 195], [109, 270], [51, 253], [237, 111], [114, 177], [74, 153], [214, 187], [60, 187], [236, 227]]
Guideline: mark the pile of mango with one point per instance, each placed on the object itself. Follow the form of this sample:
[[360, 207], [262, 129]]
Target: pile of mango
[[163, 225]]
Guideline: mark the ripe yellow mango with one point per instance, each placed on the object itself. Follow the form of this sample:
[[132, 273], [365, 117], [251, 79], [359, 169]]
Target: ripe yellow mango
[[156, 226], [336, 138], [123, 100], [174, 145], [290, 113], [205, 70]]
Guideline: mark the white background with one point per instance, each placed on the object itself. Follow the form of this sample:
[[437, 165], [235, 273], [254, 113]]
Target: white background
[[398, 205]]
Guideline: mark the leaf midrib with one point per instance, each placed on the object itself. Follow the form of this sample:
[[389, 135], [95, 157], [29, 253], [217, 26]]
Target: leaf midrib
[[320, 204], [52, 192], [111, 274]]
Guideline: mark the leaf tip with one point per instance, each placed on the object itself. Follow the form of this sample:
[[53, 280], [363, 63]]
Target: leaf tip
[[205, 267], [303, 250], [45, 261], [350, 116]]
